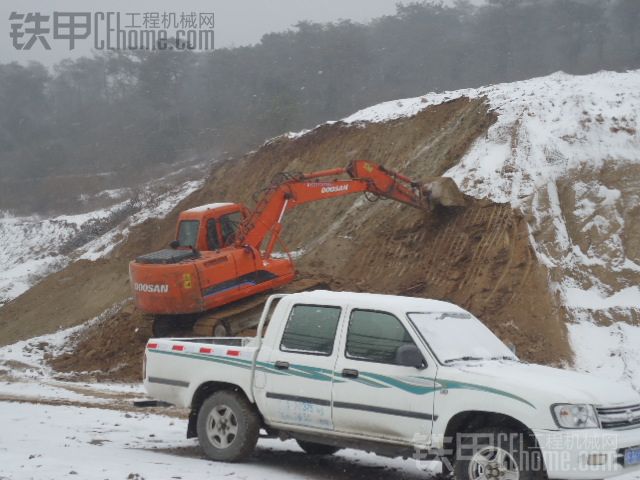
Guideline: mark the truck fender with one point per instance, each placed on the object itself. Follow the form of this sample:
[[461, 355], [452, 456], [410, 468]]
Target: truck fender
[[471, 420]]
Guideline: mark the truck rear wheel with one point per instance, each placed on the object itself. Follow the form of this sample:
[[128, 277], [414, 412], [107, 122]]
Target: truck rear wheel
[[228, 427], [317, 448], [498, 453]]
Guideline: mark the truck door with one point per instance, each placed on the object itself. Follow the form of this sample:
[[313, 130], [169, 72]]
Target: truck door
[[377, 397], [299, 370]]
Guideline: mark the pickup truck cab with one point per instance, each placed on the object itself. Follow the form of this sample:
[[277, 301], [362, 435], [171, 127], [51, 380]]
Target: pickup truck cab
[[401, 377]]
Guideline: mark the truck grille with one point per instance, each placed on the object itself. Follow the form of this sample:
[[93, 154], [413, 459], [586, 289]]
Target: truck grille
[[619, 417]]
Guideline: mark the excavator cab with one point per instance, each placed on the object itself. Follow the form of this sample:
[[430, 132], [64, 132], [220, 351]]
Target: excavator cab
[[203, 268], [209, 227]]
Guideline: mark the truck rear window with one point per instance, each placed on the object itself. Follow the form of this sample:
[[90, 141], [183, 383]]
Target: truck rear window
[[311, 329]]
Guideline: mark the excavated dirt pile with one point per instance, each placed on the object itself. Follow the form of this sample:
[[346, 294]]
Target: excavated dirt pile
[[478, 256]]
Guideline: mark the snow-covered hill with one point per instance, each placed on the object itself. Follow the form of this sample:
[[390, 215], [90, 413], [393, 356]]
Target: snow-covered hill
[[565, 150], [32, 247]]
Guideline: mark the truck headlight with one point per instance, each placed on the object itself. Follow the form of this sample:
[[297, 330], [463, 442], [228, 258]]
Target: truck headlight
[[575, 416]]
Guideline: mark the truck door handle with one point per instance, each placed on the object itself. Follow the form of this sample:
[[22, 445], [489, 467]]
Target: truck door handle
[[350, 373], [282, 365]]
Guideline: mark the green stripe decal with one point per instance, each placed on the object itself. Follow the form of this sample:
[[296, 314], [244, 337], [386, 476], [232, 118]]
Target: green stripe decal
[[454, 385], [422, 385]]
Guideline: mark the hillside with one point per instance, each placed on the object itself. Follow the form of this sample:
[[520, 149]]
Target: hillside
[[546, 253]]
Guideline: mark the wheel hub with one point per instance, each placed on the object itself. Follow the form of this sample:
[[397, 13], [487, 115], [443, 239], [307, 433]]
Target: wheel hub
[[493, 463], [222, 426], [493, 470]]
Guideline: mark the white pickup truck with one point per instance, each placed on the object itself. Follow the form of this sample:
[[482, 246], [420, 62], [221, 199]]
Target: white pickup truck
[[401, 377]]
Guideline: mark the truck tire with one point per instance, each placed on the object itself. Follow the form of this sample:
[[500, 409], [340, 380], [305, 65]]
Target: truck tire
[[228, 427], [498, 453], [317, 448]]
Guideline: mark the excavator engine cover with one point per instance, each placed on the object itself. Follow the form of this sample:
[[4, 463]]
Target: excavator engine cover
[[167, 256]]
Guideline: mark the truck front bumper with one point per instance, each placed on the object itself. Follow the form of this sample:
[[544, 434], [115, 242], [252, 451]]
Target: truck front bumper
[[587, 454]]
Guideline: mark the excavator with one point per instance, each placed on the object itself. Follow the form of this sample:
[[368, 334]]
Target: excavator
[[222, 258]]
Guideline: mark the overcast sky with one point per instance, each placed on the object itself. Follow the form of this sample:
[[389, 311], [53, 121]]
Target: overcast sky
[[237, 22]]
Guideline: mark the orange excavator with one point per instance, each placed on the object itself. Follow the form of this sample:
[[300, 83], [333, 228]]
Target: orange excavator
[[223, 253]]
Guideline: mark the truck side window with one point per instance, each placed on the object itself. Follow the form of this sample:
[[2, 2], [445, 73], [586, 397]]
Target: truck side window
[[311, 329], [229, 224], [375, 337], [213, 242]]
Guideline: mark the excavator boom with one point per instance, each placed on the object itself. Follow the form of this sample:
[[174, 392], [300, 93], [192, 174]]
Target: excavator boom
[[291, 190], [222, 254]]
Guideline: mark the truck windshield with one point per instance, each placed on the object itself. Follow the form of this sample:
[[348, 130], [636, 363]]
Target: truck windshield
[[188, 233], [459, 336]]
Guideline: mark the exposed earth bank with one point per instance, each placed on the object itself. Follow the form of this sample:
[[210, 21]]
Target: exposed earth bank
[[479, 257]]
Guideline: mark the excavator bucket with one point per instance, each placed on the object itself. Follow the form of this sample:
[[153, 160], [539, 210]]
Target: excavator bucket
[[443, 191]]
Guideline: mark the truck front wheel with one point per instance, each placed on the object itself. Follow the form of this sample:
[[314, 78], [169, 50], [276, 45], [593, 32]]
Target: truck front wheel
[[498, 454], [228, 427]]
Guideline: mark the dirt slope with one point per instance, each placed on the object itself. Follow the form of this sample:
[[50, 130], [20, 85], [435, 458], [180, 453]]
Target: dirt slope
[[479, 257]]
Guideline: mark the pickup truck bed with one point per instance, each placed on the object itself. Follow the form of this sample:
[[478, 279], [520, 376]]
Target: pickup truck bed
[[178, 356]]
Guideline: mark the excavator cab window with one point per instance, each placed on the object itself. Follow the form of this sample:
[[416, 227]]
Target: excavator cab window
[[213, 241], [188, 233], [229, 225]]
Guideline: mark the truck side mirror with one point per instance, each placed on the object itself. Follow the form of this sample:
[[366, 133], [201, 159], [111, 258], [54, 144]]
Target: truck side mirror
[[410, 356], [174, 244]]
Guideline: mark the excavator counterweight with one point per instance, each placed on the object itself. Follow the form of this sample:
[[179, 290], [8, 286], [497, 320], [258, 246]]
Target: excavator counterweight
[[223, 251]]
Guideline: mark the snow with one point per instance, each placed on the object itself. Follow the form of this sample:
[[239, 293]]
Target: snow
[[607, 351], [563, 122], [155, 206], [209, 206], [39, 392], [294, 255], [473, 338], [32, 247], [408, 107], [553, 131], [54, 429], [548, 130], [55, 442], [594, 300], [32, 353], [294, 135]]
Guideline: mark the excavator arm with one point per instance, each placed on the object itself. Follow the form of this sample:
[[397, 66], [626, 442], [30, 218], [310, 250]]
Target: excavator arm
[[292, 190]]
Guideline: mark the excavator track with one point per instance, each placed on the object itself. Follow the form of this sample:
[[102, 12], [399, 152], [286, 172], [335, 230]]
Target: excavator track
[[236, 319]]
